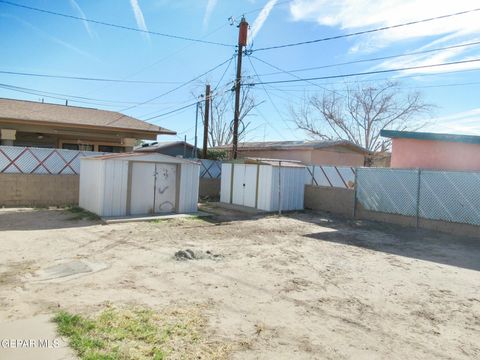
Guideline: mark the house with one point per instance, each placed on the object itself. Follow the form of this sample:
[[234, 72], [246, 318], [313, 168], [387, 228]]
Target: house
[[36, 124], [339, 153], [172, 148], [434, 151]]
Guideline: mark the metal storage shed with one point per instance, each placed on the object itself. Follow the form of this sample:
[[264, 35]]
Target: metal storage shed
[[138, 184], [265, 184]]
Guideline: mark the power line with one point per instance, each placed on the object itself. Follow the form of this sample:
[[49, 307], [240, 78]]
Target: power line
[[271, 100], [212, 95], [180, 86], [172, 112], [400, 87], [178, 37], [291, 74], [366, 31], [380, 79], [366, 73], [47, 95], [164, 58], [83, 78], [373, 59], [224, 73], [62, 96]]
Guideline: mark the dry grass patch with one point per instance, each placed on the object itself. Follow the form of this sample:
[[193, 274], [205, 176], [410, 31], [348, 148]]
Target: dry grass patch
[[140, 333]]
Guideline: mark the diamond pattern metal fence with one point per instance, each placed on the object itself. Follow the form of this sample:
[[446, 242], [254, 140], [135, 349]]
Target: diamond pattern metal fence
[[27, 160], [333, 176], [452, 196], [210, 169]]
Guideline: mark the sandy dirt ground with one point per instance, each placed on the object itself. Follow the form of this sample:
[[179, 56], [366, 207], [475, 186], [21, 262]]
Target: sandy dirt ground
[[301, 286]]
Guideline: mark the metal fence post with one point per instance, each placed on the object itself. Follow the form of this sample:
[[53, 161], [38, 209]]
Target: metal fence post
[[419, 175], [355, 186]]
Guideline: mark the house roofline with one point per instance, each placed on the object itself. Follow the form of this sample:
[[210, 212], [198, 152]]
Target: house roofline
[[95, 127], [396, 134]]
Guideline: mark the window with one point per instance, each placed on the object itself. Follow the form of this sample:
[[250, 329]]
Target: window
[[111, 149], [81, 147]]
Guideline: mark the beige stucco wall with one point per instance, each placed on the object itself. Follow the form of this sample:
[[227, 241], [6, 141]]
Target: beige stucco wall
[[332, 156], [337, 157], [335, 200], [38, 190], [410, 221], [210, 188]]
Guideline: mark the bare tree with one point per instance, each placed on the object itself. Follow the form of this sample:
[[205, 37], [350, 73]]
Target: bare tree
[[360, 114], [220, 130]]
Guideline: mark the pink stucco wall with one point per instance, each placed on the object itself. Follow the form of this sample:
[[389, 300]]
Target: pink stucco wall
[[430, 154]]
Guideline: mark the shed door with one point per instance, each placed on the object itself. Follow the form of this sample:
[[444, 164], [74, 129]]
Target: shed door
[[165, 188], [250, 185], [153, 188], [143, 185], [244, 185], [238, 181]]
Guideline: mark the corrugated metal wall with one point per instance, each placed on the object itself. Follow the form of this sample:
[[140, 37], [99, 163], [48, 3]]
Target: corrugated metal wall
[[91, 186], [292, 188], [189, 185], [245, 186], [115, 189], [226, 183]]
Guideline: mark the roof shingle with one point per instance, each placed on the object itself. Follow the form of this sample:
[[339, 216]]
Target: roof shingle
[[73, 115]]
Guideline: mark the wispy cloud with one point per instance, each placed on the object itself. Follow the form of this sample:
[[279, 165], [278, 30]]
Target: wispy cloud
[[261, 18], [354, 15], [208, 11], [465, 122], [77, 7], [139, 18], [50, 37]]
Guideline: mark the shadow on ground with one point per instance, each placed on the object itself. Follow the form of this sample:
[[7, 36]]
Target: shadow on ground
[[24, 219], [398, 240]]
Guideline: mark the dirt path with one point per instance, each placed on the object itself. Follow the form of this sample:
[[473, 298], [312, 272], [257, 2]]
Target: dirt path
[[299, 287]]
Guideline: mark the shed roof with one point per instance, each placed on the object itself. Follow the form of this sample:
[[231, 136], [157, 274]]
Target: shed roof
[[135, 156], [394, 134], [31, 111], [160, 145], [294, 145], [271, 162]]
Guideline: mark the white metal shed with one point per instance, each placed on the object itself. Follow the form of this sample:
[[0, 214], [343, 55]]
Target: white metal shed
[[265, 184], [138, 184]]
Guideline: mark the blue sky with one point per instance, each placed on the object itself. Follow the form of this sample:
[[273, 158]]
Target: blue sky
[[42, 43]]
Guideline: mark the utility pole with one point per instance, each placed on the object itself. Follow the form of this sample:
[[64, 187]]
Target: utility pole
[[205, 121], [242, 42], [196, 126]]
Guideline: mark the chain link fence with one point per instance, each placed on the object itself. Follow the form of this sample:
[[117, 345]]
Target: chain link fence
[[332, 176], [452, 196]]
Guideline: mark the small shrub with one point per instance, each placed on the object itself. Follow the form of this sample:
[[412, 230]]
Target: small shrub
[[82, 214]]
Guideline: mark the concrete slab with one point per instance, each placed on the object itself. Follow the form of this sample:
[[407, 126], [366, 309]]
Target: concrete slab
[[64, 270], [235, 207], [34, 338], [124, 219]]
